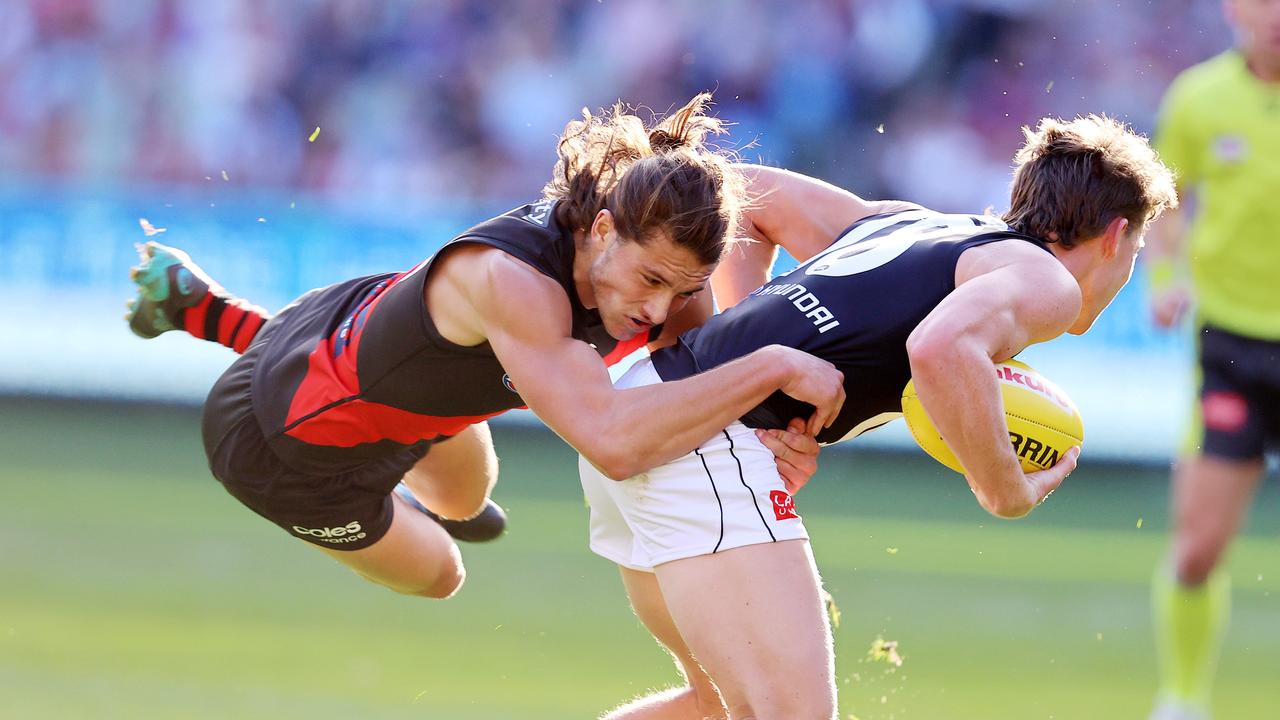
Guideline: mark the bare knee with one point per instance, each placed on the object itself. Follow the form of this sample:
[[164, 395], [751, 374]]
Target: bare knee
[[706, 698], [807, 691], [446, 583], [442, 585], [1197, 548], [688, 701], [793, 695], [1194, 560], [791, 698]]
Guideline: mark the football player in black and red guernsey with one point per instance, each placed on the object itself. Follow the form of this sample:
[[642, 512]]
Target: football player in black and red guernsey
[[340, 396]]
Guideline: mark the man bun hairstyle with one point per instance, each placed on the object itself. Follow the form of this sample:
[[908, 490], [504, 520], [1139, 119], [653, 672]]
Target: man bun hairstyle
[[1071, 179], [664, 178]]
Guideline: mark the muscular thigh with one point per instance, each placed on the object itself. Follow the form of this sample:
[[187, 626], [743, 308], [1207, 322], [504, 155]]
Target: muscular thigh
[[754, 618], [650, 607]]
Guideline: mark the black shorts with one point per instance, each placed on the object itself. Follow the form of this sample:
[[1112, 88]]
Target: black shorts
[[344, 511], [1239, 395]]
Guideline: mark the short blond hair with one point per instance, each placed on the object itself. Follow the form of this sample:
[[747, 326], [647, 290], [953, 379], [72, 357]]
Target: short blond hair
[[1072, 178]]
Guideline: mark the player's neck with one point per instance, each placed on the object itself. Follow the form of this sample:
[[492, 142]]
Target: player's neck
[[582, 260], [1264, 67]]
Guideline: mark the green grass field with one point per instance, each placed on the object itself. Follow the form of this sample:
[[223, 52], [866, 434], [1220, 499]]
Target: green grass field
[[134, 587]]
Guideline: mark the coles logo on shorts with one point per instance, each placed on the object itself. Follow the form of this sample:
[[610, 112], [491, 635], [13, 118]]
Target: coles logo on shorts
[[784, 506], [350, 532], [1224, 411]]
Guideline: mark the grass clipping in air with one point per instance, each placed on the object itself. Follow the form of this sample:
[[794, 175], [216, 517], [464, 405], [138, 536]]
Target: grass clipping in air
[[885, 651]]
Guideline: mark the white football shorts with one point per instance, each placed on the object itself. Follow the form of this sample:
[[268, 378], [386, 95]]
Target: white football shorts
[[725, 494]]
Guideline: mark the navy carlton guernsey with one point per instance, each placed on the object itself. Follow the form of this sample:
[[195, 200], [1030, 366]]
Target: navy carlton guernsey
[[853, 305]]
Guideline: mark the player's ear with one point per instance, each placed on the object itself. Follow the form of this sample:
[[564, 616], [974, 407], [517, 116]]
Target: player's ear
[[1113, 236], [602, 228]]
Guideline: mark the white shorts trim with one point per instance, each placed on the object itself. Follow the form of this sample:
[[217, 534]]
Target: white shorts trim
[[723, 495]]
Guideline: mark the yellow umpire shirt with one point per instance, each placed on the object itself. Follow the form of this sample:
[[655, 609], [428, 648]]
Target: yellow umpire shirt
[[1219, 129]]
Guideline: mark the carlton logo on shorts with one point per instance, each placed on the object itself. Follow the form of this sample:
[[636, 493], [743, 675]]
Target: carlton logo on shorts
[[784, 506], [350, 532]]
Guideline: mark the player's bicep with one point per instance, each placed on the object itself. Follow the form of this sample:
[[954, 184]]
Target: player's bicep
[[746, 265], [533, 340], [803, 214], [976, 314], [562, 381], [1001, 312]]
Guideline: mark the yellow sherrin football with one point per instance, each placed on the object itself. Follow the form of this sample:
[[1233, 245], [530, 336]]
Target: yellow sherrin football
[[1043, 421]]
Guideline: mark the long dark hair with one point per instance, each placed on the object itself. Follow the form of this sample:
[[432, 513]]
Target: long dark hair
[[660, 179]]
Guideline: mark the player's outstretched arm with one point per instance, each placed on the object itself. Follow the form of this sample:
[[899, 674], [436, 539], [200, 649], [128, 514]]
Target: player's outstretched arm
[[1170, 295], [992, 315], [798, 213], [625, 432]]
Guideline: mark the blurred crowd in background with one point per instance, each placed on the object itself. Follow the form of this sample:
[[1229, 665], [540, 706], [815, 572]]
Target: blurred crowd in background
[[461, 100]]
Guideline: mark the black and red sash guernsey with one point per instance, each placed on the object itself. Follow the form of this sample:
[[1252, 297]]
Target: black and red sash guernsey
[[357, 371]]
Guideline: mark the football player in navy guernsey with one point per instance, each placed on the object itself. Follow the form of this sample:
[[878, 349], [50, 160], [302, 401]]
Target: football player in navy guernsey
[[711, 548], [358, 386]]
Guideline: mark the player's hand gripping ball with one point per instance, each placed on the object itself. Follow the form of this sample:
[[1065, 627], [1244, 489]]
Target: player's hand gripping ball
[[1043, 421]]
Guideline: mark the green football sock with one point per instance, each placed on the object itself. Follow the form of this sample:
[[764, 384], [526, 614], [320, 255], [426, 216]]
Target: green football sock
[[1189, 625]]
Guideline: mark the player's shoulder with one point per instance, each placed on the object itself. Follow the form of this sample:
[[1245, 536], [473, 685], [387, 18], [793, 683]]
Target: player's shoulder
[[1017, 250], [1208, 76], [1027, 276], [500, 273], [502, 294], [1015, 255], [899, 210], [523, 245], [488, 274], [539, 216], [499, 265], [511, 284]]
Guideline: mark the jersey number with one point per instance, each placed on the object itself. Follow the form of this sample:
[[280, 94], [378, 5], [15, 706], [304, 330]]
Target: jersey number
[[879, 241]]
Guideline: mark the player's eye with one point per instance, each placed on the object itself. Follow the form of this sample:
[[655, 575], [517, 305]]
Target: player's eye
[[652, 281]]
